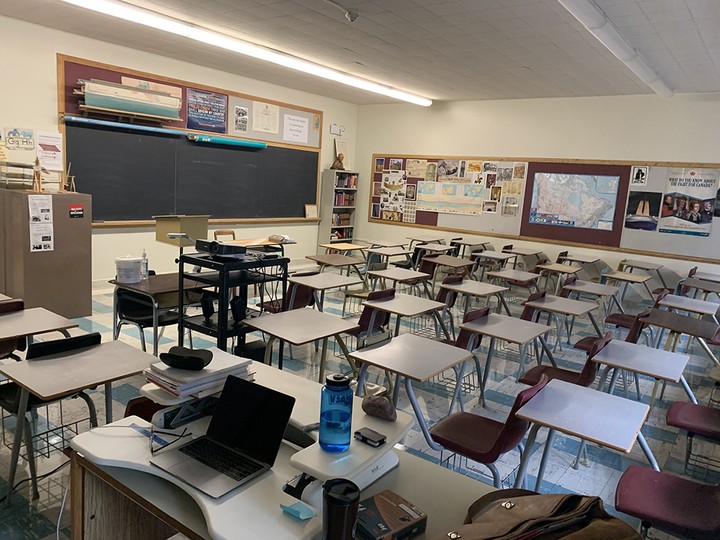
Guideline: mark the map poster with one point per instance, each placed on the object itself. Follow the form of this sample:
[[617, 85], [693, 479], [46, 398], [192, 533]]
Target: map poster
[[206, 111], [689, 202], [574, 200]]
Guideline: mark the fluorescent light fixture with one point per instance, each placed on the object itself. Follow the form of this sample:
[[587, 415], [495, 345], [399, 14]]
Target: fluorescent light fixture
[[597, 23], [196, 33]]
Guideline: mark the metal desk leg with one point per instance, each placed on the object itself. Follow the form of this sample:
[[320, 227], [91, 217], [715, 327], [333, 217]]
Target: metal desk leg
[[439, 320], [420, 417], [648, 453], [362, 377], [19, 427], [268, 352], [523, 357], [458, 384], [545, 456], [487, 363], [595, 324], [323, 355], [547, 350], [687, 389], [156, 337], [527, 453], [108, 403], [504, 303], [116, 332]]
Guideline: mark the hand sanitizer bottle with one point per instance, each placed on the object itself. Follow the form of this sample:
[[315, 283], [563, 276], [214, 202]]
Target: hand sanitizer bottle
[[144, 266]]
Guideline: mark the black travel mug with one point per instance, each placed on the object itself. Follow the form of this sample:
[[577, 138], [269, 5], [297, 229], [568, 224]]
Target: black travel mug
[[340, 508]]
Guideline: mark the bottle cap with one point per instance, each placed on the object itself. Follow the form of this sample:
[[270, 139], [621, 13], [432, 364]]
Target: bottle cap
[[341, 491], [337, 380]]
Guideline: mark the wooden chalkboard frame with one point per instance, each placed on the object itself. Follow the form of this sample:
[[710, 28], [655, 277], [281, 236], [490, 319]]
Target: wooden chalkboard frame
[[67, 104]]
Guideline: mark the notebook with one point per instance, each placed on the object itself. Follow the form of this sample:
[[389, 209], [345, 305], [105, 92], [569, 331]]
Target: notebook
[[241, 443]]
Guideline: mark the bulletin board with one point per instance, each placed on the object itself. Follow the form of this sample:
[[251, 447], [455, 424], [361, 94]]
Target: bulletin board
[[651, 208]]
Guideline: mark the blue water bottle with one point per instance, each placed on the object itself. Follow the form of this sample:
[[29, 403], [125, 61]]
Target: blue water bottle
[[335, 413]]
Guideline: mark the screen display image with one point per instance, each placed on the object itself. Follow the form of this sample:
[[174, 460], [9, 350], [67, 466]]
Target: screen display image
[[574, 200]]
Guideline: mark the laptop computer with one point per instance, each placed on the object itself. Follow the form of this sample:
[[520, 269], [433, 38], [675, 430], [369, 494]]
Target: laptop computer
[[241, 443]]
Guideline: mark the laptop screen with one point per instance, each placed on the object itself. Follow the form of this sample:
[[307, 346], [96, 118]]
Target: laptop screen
[[251, 418]]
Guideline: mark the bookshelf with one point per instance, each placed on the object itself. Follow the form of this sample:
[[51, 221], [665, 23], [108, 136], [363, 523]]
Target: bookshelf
[[337, 206]]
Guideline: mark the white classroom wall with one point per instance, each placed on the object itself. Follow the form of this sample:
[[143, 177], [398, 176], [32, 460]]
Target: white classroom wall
[[29, 99], [644, 128]]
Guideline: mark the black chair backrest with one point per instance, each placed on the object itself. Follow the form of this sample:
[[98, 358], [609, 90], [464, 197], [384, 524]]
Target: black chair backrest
[[57, 346], [464, 336], [561, 257], [528, 311], [382, 318], [9, 306]]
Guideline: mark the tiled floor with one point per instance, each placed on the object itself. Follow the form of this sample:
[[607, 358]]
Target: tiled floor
[[599, 476]]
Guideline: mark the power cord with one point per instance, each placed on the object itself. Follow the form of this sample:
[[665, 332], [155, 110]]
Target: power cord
[[41, 477]]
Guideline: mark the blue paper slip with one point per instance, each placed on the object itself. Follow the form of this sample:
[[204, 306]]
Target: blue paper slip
[[298, 510]]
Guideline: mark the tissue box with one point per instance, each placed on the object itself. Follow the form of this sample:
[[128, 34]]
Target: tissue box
[[387, 516]]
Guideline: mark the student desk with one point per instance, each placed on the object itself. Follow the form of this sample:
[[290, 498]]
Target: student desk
[[414, 358], [456, 263], [386, 243], [523, 252], [580, 259], [405, 305], [598, 290], [707, 276], [60, 374], [161, 291], [391, 251], [701, 285], [674, 302], [337, 260], [627, 278], [681, 324], [320, 283], [464, 243], [480, 289], [515, 275], [424, 239], [660, 365], [512, 330], [436, 248], [32, 321], [610, 421], [559, 270], [567, 307], [402, 275], [344, 247], [300, 326], [630, 265], [496, 256]]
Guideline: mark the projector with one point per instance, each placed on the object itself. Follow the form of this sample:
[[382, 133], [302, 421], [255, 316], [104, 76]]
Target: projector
[[219, 248]]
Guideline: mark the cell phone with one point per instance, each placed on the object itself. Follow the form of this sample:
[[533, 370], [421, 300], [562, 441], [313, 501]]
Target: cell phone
[[370, 436]]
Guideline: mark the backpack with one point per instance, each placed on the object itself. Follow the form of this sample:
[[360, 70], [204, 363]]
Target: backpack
[[519, 514]]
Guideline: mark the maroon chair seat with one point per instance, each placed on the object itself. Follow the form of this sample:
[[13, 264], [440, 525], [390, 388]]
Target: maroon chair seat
[[484, 440], [699, 419], [582, 378], [671, 503], [635, 329]]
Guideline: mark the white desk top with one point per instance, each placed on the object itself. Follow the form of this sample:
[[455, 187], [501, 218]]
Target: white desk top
[[335, 259], [693, 305], [405, 305], [425, 238], [641, 265], [526, 252], [590, 287], [601, 418], [582, 259], [299, 326], [344, 246], [436, 247], [32, 321], [59, 374], [396, 273], [496, 255], [448, 260], [654, 363], [325, 280], [628, 277], [474, 288], [412, 356], [254, 505], [565, 306], [3, 297], [386, 243], [559, 268], [516, 275], [707, 276], [509, 329], [389, 251]]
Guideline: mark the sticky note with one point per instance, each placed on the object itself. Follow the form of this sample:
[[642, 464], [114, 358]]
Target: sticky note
[[299, 510]]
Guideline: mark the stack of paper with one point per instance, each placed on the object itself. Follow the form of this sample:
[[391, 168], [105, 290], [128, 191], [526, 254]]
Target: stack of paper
[[207, 381]]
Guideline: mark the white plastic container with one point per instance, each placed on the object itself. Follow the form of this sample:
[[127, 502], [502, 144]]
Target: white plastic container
[[128, 269]]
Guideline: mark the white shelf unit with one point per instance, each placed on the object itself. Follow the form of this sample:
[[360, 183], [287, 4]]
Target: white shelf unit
[[337, 206]]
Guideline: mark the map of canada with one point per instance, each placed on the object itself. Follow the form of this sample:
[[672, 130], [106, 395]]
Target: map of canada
[[574, 200]]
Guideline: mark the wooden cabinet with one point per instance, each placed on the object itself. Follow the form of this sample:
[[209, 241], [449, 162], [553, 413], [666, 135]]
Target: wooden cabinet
[[337, 206], [55, 272]]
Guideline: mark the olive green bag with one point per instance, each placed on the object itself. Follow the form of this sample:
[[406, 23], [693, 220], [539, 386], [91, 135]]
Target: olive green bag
[[519, 514]]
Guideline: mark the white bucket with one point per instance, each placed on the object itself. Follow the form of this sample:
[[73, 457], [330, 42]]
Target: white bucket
[[128, 269]]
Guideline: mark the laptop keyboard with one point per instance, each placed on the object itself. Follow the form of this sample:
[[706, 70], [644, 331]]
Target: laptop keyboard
[[221, 459]]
